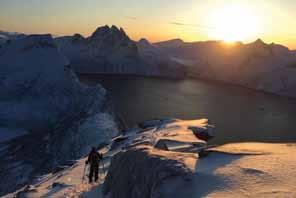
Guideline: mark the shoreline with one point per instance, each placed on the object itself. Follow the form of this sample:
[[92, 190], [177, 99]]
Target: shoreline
[[207, 80]]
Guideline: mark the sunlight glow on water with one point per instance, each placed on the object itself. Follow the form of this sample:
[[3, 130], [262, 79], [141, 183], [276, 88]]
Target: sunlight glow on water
[[239, 114]]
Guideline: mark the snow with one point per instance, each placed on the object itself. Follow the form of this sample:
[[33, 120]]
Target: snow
[[231, 170], [242, 170], [41, 97], [159, 60], [37, 88], [110, 50], [107, 50], [9, 134], [5, 36], [255, 65]]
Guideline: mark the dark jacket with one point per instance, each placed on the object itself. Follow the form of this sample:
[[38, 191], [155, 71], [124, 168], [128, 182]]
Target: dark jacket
[[94, 157]]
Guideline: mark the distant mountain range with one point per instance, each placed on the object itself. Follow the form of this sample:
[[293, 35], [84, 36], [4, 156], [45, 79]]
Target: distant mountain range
[[257, 65], [6, 36], [110, 50]]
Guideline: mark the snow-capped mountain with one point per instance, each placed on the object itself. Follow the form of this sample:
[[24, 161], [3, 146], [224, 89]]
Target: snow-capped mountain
[[157, 58], [6, 36], [257, 65], [110, 50], [42, 101]]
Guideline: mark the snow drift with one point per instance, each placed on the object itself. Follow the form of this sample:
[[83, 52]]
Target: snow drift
[[42, 100]]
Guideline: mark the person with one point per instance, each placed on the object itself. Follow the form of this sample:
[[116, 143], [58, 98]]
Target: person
[[93, 160]]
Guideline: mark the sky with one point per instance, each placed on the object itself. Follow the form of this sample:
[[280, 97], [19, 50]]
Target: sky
[[157, 20]]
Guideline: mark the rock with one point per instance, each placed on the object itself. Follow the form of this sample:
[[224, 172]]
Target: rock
[[59, 169], [117, 142], [161, 145], [58, 185], [165, 150], [139, 171], [23, 192]]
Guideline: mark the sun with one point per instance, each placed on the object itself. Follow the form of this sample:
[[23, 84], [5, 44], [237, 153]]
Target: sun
[[233, 23]]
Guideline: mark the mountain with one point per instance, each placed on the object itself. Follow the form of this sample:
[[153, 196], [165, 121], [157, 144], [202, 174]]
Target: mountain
[[174, 43], [257, 65], [47, 117], [6, 36], [110, 50], [154, 56]]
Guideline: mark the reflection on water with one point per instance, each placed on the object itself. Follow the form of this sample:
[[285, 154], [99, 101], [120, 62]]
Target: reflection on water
[[239, 114]]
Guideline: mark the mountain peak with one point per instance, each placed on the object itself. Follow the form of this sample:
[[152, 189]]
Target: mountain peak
[[122, 31], [170, 43], [144, 41], [100, 31], [106, 30], [114, 29], [34, 41], [77, 38], [176, 40], [259, 42]]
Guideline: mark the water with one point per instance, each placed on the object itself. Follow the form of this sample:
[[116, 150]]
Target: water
[[239, 114]]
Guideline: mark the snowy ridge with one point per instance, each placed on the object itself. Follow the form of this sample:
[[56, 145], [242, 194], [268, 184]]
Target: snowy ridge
[[47, 117], [160, 142], [176, 168]]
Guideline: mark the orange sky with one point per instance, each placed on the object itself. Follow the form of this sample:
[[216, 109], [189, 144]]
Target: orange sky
[[190, 20]]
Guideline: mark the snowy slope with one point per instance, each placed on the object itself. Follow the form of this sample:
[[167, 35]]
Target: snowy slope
[[257, 65], [48, 117], [175, 134], [110, 50], [241, 170], [234, 170], [178, 170]]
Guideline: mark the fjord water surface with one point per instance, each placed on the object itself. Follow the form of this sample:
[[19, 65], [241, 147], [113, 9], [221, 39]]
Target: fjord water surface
[[239, 114]]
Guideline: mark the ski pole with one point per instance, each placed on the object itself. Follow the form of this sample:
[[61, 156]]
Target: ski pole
[[83, 176], [103, 168]]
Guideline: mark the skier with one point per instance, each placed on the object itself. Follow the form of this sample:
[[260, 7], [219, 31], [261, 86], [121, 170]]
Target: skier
[[94, 160]]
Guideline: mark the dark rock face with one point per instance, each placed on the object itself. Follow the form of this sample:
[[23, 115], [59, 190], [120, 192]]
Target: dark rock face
[[109, 40], [139, 171]]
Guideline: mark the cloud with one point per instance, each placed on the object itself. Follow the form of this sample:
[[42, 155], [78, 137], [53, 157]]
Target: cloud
[[192, 25], [130, 17]]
